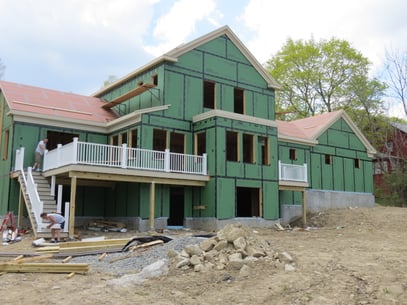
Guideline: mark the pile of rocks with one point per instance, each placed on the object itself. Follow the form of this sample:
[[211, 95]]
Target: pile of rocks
[[234, 247]]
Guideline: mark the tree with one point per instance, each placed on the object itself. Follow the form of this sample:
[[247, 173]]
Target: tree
[[317, 77], [396, 68], [2, 69], [111, 79]]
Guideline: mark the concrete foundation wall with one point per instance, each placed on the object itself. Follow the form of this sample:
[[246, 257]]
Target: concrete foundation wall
[[132, 223], [213, 224], [319, 200]]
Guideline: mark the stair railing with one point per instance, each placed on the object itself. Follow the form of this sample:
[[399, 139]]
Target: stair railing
[[31, 188], [36, 204]]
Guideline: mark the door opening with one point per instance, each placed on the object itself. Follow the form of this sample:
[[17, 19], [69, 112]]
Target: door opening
[[55, 138], [176, 206], [247, 202]]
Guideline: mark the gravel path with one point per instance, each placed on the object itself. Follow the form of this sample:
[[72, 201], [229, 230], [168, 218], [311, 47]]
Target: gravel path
[[119, 264]]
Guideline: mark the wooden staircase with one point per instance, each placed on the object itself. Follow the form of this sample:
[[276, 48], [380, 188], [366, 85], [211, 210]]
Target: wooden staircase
[[44, 193]]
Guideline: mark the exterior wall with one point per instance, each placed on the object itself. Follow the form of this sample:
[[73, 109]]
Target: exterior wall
[[6, 130], [341, 180], [27, 135], [319, 200], [344, 146], [180, 85]]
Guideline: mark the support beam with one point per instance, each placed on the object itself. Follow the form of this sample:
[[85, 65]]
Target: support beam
[[72, 208], [152, 204], [20, 208], [304, 208]]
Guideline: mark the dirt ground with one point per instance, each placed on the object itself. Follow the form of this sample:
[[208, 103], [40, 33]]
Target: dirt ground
[[348, 256]]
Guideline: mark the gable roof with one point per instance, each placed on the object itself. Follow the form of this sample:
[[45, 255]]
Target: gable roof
[[173, 55], [32, 101], [400, 126], [308, 130]]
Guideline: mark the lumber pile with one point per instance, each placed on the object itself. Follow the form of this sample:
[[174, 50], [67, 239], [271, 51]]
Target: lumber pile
[[107, 226], [22, 264], [43, 267], [84, 247]]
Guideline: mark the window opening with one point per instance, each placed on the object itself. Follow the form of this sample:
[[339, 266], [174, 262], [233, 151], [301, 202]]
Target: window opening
[[123, 138], [238, 100], [357, 163], [133, 138], [209, 95], [177, 142], [114, 140], [328, 159], [200, 143], [155, 80], [232, 146], [293, 154], [264, 150], [159, 139], [248, 148]]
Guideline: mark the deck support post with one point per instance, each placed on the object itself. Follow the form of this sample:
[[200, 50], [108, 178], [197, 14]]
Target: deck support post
[[152, 205], [304, 207], [72, 208]]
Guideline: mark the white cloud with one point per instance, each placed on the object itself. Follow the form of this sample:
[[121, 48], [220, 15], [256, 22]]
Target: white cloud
[[179, 22], [370, 26]]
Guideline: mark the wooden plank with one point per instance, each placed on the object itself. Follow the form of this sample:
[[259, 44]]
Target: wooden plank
[[102, 256], [136, 91], [44, 267], [138, 247], [106, 242], [34, 258], [89, 248], [70, 275], [53, 249], [67, 259]]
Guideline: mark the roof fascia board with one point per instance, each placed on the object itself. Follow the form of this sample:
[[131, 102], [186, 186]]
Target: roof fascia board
[[297, 140], [108, 127], [233, 116], [131, 118], [135, 73], [371, 151], [39, 119], [225, 30]]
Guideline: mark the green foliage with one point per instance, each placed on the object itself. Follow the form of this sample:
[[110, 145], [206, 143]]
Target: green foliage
[[323, 76], [2, 69], [395, 193], [111, 79]]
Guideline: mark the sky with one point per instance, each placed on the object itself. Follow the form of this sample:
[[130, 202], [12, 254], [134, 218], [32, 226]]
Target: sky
[[75, 45]]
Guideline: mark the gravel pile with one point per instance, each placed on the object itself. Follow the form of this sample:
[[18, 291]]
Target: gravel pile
[[138, 259]]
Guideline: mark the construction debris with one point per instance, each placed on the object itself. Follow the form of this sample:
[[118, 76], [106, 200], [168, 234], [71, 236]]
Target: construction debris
[[107, 226], [235, 247], [85, 247], [43, 267], [140, 246]]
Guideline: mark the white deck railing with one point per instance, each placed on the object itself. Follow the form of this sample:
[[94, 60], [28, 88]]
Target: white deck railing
[[31, 186], [124, 157], [292, 172]]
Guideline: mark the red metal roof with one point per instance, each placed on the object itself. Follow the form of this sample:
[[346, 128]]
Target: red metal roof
[[54, 103]]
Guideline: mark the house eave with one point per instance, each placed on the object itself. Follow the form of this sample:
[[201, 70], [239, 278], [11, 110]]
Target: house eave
[[99, 127], [233, 116], [132, 118], [134, 73], [297, 140], [63, 122]]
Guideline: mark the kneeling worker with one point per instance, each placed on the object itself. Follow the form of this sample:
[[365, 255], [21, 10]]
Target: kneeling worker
[[57, 223]]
